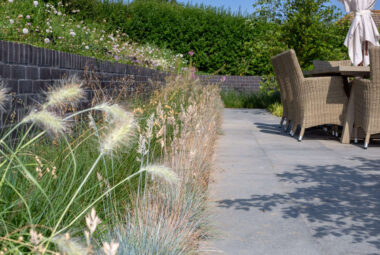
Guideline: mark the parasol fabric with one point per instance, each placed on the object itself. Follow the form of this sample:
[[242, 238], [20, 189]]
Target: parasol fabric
[[363, 29]]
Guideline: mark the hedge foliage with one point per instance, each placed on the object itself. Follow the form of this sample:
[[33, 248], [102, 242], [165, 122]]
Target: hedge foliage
[[225, 42], [215, 35]]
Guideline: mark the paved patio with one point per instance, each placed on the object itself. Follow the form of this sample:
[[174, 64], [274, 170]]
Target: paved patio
[[273, 195]]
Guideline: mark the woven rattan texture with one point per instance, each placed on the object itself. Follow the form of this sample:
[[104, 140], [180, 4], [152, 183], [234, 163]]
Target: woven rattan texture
[[367, 97], [314, 101]]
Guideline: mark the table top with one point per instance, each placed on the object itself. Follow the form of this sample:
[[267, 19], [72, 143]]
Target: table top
[[351, 71]]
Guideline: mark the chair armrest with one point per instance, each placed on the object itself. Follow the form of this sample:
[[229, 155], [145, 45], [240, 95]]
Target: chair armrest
[[318, 82], [323, 84]]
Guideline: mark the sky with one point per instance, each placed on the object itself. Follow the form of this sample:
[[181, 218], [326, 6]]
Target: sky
[[246, 5]]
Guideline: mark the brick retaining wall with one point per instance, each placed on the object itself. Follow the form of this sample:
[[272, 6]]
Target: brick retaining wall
[[247, 84], [28, 71]]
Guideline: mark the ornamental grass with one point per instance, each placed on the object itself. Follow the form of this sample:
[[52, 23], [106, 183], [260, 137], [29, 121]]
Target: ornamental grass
[[126, 175]]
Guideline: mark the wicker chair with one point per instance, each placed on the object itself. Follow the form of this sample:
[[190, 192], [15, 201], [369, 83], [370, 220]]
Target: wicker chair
[[316, 101], [285, 92], [367, 100]]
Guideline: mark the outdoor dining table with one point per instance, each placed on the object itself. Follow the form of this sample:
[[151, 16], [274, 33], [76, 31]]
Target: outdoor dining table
[[345, 72]]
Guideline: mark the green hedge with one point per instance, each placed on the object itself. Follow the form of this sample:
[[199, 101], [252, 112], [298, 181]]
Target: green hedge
[[216, 36], [222, 41]]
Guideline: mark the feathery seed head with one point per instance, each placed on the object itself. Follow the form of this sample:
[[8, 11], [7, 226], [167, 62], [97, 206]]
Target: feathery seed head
[[92, 221], [70, 92], [110, 248], [163, 172], [4, 96], [47, 120], [69, 246], [114, 112], [119, 135]]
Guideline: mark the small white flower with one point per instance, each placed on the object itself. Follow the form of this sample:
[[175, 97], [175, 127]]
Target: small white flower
[[20, 16], [59, 13], [35, 3], [11, 1], [46, 40], [72, 33], [86, 47], [11, 21], [25, 31]]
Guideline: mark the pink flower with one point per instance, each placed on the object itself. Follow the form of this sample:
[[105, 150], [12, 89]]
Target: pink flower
[[191, 53], [223, 79]]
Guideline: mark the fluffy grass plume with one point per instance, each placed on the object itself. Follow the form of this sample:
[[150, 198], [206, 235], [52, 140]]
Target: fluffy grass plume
[[68, 92], [4, 97], [163, 172], [70, 246], [47, 121], [114, 112], [119, 134]]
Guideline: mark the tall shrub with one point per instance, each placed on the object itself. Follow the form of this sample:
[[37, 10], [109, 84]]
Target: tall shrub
[[311, 27]]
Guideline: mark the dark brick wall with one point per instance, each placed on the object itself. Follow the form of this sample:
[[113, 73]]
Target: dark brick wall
[[246, 84], [27, 71]]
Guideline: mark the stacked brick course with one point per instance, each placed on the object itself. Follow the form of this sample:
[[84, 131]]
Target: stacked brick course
[[27, 71], [245, 84]]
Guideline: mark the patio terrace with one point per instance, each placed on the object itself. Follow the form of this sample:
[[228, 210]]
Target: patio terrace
[[274, 195]]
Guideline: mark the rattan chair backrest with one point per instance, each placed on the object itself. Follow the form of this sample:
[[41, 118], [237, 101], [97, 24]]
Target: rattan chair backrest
[[374, 54], [284, 90]]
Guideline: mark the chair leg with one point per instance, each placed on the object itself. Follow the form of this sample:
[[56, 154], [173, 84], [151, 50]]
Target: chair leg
[[366, 141], [282, 121], [294, 130], [302, 132], [336, 131], [355, 135], [288, 125]]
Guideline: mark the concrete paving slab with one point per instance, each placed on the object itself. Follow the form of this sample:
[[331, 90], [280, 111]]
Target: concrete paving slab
[[273, 195]]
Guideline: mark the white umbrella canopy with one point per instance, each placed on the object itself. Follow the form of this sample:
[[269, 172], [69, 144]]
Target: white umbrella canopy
[[363, 30]]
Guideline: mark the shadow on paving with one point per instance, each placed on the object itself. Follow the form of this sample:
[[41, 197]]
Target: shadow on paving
[[314, 133], [310, 134], [338, 200]]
